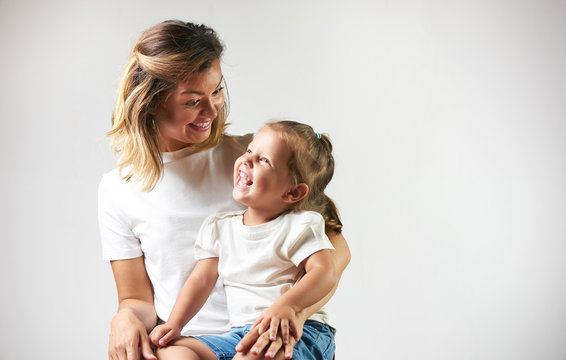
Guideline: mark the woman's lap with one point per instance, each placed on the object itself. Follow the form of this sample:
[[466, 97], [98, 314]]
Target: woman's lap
[[316, 343]]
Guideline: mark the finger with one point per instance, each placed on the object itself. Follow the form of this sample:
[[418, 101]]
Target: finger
[[132, 354], [289, 350], [147, 352], [157, 334], [118, 352], [263, 326], [293, 329], [132, 349], [257, 322], [285, 331], [247, 341], [273, 328], [166, 338], [154, 337], [260, 344], [273, 348]]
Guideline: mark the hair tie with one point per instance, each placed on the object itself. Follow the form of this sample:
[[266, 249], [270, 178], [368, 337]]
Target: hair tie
[[317, 135]]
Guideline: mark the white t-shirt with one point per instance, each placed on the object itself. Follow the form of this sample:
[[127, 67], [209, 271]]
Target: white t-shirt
[[258, 263], [162, 224]]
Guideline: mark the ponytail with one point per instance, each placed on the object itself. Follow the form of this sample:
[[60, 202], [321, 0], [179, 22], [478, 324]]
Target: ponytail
[[311, 163]]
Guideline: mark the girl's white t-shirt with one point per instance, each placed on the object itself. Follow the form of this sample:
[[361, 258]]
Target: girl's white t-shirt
[[162, 224], [259, 263]]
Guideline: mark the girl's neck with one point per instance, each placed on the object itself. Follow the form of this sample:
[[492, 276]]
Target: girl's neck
[[253, 217]]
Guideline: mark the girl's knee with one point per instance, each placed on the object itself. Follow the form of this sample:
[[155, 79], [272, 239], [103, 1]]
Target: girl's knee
[[249, 356], [174, 352]]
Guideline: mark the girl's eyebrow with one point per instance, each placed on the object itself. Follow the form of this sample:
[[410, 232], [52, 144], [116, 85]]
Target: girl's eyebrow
[[201, 93]]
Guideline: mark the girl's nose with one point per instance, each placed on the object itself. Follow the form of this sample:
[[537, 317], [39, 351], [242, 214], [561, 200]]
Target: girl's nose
[[248, 161]]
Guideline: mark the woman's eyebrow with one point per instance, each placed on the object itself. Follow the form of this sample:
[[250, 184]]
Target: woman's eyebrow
[[201, 93]]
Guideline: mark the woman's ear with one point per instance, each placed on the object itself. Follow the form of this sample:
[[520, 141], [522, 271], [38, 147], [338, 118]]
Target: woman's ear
[[296, 193]]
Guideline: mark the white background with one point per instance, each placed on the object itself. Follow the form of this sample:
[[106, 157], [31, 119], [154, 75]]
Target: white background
[[449, 125]]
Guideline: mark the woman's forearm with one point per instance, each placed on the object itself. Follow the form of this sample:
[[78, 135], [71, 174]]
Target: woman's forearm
[[142, 310]]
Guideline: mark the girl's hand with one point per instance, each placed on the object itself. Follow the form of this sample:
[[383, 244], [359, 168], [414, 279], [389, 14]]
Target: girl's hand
[[278, 317], [162, 334], [261, 336], [258, 342], [127, 334]]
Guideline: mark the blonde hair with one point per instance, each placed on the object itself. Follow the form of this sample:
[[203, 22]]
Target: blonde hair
[[311, 163], [163, 55]]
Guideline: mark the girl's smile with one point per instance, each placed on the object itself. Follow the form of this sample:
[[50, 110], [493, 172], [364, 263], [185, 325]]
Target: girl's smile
[[261, 175]]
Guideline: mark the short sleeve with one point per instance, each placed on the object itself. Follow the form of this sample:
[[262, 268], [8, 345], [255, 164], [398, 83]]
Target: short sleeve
[[118, 241], [310, 239], [206, 245]]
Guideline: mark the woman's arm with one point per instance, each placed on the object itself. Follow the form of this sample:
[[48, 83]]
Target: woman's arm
[[192, 297], [340, 257], [136, 314]]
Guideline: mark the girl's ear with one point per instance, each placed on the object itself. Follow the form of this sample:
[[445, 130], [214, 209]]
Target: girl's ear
[[296, 193]]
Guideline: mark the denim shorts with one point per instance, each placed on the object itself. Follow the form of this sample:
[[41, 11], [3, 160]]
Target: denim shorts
[[317, 342]]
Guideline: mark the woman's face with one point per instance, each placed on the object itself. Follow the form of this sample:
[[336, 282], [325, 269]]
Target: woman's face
[[186, 116]]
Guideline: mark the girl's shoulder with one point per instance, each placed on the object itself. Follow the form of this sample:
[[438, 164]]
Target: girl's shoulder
[[305, 217], [223, 216]]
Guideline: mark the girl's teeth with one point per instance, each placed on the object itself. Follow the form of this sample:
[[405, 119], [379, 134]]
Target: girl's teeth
[[244, 179]]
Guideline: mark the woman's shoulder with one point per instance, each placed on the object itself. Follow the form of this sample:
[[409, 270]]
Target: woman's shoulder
[[113, 182], [237, 141], [110, 179]]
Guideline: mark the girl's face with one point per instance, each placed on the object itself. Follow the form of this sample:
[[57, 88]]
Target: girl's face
[[186, 116], [261, 174]]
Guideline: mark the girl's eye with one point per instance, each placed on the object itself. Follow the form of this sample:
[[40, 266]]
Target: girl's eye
[[192, 103], [248, 151], [264, 160], [217, 91]]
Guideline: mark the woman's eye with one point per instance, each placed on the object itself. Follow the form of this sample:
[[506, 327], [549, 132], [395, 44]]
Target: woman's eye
[[217, 91], [192, 103]]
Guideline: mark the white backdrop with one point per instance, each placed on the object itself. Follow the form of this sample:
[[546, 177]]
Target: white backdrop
[[449, 125]]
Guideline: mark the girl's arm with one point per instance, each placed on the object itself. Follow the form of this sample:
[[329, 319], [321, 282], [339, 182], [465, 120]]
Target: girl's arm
[[192, 297], [316, 283], [136, 313], [340, 257]]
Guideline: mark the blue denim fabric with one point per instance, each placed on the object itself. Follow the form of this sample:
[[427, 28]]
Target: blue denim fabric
[[317, 342]]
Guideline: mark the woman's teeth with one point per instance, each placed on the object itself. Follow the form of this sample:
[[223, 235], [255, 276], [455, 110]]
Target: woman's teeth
[[202, 125]]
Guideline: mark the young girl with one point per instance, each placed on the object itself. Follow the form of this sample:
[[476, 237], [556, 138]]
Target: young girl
[[274, 257]]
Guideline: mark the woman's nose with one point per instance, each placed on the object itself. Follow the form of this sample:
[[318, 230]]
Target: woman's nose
[[210, 108]]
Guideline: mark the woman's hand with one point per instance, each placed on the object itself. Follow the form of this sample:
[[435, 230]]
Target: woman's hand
[[127, 336], [136, 314], [162, 334]]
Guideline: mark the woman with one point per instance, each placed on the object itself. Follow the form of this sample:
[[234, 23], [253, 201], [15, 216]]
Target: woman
[[174, 169]]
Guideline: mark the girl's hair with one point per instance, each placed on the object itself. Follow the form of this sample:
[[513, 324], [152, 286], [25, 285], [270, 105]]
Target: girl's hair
[[311, 163], [163, 55]]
